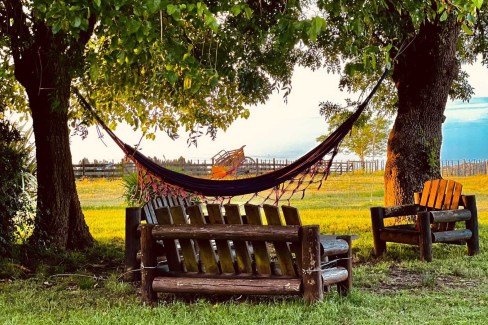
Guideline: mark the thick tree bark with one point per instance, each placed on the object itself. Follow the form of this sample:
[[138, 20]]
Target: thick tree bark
[[44, 70], [423, 77]]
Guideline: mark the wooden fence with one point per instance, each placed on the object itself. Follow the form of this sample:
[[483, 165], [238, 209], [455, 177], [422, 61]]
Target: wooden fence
[[261, 166], [464, 167]]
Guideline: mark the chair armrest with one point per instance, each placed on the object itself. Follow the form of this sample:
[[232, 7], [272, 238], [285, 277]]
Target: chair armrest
[[401, 210]]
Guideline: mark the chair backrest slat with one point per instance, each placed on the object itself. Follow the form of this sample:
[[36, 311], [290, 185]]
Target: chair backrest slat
[[441, 194]]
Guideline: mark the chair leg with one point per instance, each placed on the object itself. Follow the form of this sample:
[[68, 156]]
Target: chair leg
[[472, 224], [377, 223], [425, 240]]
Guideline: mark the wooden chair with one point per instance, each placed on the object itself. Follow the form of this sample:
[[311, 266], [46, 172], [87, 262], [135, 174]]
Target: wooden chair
[[133, 219], [436, 213], [253, 258]]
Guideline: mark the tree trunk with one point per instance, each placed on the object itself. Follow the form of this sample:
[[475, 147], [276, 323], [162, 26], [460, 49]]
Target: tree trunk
[[44, 71], [423, 77]]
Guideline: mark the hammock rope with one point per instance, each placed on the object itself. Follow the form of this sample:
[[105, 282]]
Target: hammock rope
[[310, 163]]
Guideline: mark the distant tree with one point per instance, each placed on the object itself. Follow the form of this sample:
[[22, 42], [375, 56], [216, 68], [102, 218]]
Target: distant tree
[[368, 137]]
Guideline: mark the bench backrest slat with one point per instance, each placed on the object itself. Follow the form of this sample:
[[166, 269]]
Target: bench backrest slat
[[163, 216], [261, 255], [292, 218], [283, 254], [225, 256], [187, 249], [207, 253], [243, 258]]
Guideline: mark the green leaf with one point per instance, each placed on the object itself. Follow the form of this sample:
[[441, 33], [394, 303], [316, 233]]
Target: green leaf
[[444, 16], [248, 12], [56, 27], [76, 22], [98, 3], [171, 9], [466, 29], [478, 3], [235, 10]]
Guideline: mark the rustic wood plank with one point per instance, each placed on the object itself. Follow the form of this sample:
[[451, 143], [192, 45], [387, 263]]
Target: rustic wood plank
[[132, 243], [433, 193], [228, 232], [400, 236], [425, 238], [283, 254], [334, 275], [207, 253], [243, 258], [148, 265], [163, 216], [345, 261], [378, 224], [260, 249], [330, 247], [400, 211], [425, 193], [257, 286], [449, 195], [441, 192], [456, 196], [451, 236], [313, 288], [292, 218], [187, 248], [469, 202], [225, 256], [450, 215]]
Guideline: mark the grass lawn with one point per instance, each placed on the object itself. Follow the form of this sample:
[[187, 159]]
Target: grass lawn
[[85, 288]]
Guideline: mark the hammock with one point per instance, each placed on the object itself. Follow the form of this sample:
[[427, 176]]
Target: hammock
[[310, 162]]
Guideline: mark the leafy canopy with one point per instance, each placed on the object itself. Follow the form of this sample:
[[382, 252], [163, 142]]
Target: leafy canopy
[[160, 64]]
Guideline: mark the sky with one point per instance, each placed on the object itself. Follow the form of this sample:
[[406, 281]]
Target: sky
[[273, 130]]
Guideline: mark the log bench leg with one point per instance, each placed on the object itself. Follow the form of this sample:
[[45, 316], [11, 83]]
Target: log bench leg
[[345, 261], [312, 276], [148, 264], [377, 223], [132, 244]]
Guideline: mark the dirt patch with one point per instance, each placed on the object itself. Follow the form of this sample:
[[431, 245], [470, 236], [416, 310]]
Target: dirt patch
[[403, 279]]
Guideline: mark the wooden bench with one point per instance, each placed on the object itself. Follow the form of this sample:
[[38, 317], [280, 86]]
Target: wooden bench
[[435, 214], [226, 256]]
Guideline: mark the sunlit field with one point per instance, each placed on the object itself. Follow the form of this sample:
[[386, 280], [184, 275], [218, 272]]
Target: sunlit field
[[394, 289]]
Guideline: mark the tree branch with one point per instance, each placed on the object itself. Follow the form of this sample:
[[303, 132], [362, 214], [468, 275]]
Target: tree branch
[[18, 31], [77, 47]]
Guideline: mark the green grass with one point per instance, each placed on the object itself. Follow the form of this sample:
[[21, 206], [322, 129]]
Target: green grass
[[394, 289]]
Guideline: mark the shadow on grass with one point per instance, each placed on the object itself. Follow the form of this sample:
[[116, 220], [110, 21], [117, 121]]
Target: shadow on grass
[[105, 257]]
